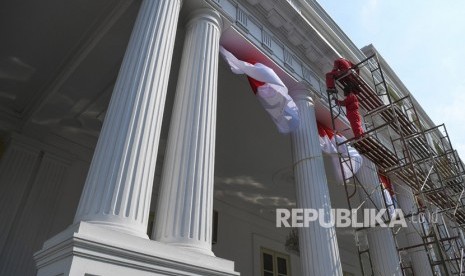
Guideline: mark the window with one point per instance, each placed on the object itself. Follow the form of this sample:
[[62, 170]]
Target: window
[[215, 227], [274, 263]]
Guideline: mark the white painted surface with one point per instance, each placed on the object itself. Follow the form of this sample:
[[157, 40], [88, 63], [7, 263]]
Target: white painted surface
[[381, 242], [312, 191], [118, 188], [87, 248], [184, 214], [418, 255]]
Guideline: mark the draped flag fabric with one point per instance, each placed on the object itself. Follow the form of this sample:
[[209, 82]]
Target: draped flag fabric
[[386, 183], [329, 144], [389, 195], [270, 90]]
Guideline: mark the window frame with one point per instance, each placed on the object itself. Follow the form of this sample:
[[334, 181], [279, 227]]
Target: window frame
[[275, 255]]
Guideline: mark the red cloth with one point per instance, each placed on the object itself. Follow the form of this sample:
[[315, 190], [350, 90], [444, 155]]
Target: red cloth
[[253, 82], [352, 105], [324, 130], [341, 66], [387, 184]]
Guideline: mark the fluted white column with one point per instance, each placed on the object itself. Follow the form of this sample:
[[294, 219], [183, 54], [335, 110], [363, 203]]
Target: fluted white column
[[383, 251], [413, 232], [185, 206], [319, 252], [119, 183]]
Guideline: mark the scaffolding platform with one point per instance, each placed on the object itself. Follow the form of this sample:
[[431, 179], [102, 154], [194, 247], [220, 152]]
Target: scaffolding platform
[[396, 141]]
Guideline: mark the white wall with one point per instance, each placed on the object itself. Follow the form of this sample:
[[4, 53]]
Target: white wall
[[241, 235]]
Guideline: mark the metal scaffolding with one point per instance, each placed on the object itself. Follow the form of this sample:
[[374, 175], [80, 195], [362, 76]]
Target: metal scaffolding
[[401, 146]]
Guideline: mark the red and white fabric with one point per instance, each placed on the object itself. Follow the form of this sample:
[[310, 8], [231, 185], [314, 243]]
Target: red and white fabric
[[389, 194], [270, 90], [329, 144]]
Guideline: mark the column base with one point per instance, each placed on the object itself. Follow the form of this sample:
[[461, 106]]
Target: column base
[[87, 249]]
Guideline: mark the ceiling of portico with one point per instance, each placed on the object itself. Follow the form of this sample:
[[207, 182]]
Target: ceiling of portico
[[59, 62]]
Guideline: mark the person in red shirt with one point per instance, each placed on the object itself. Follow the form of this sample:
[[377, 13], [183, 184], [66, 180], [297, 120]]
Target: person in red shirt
[[353, 115], [341, 67]]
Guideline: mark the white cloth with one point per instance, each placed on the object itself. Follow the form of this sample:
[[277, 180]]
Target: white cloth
[[273, 95], [352, 159]]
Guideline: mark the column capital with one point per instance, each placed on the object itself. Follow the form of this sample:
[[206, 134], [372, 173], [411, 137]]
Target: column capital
[[208, 14], [301, 91]]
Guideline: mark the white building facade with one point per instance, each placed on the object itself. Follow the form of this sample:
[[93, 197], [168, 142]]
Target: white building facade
[[129, 148]]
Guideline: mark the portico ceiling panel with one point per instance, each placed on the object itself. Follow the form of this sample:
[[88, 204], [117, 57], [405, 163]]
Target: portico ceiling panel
[[37, 39]]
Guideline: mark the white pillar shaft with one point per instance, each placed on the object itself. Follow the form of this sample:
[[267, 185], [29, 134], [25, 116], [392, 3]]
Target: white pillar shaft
[[185, 207], [383, 251], [319, 252], [119, 183], [418, 255]]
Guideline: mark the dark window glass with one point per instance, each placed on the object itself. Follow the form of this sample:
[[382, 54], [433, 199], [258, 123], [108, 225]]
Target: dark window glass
[[215, 227], [267, 262], [282, 266]]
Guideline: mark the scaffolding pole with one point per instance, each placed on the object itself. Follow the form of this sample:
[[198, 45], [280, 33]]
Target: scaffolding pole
[[400, 145]]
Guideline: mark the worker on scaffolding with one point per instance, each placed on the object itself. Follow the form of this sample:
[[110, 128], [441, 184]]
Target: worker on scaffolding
[[352, 105], [342, 70]]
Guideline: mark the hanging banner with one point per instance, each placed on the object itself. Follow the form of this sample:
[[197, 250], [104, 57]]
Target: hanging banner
[[352, 160], [270, 90]]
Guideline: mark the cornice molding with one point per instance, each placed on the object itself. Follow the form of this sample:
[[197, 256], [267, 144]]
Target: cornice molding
[[272, 27], [298, 35]]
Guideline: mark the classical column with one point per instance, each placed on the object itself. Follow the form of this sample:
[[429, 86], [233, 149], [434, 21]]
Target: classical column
[[319, 252], [185, 206], [383, 251], [119, 183], [413, 232]]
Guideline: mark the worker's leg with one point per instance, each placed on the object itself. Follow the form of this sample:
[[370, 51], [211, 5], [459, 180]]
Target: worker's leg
[[355, 123]]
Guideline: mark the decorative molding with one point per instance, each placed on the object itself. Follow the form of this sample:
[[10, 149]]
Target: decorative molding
[[288, 59], [262, 36], [241, 19], [276, 19], [295, 37], [266, 41], [99, 250]]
